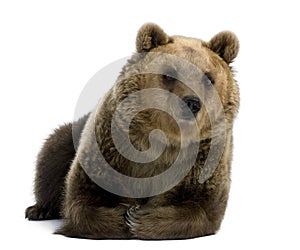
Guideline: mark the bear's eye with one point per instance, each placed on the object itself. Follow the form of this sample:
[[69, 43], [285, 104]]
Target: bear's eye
[[169, 76], [208, 79]]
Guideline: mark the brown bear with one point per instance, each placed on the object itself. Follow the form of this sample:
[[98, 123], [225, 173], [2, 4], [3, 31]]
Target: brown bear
[[153, 159]]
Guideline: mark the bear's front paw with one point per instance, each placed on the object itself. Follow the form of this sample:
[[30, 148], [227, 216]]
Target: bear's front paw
[[133, 218], [153, 223]]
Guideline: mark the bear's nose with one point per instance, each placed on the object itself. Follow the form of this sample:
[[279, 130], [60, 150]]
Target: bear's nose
[[193, 103]]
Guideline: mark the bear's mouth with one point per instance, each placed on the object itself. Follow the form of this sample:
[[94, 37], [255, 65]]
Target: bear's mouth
[[187, 116], [187, 122]]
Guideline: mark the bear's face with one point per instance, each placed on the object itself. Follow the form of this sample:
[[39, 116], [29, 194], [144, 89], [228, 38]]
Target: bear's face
[[189, 78]]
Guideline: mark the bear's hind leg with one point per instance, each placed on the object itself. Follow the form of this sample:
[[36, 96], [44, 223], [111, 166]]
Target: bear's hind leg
[[53, 164], [37, 212]]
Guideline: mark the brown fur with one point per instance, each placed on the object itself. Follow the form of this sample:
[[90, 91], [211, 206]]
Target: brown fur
[[190, 209]]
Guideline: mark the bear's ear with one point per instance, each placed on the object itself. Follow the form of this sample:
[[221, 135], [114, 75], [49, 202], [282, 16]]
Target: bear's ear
[[226, 45], [150, 36]]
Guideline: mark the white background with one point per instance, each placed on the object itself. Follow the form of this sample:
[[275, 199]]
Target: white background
[[49, 50]]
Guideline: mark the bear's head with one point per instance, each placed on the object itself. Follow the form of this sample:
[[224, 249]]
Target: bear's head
[[184, 85]]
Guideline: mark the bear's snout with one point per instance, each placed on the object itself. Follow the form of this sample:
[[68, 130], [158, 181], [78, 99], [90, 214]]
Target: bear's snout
[[192, 103]]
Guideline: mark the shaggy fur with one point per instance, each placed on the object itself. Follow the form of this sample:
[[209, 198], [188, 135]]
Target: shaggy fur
[[190, 209]]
